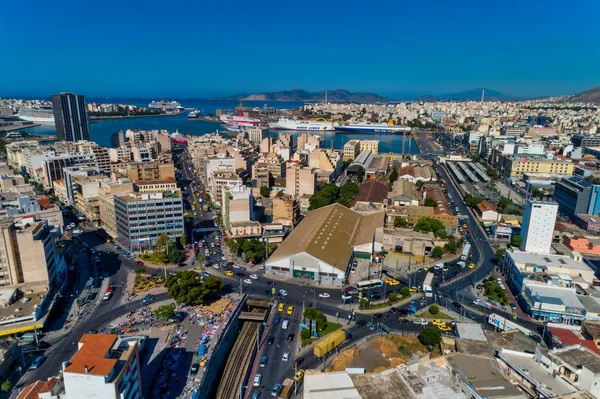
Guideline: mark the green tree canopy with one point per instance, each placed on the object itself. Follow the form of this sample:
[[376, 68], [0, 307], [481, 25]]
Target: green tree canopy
[[405, 292], [400, 222], [434, 309], [347, 193], [265, 191], [6, 386], [430, 202], [393, 297], [516, 241], [187, 287], [165, 312], [393, 176], [499, 254], [429, 225], [450, 247], [419, 184], [327, 195], [437, 252], [430, 336], [472, 201]]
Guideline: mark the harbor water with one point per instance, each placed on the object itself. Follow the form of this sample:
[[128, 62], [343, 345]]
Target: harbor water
[[101, 131]]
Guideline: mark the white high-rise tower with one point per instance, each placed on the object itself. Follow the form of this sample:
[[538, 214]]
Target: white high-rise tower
[[538, 226]]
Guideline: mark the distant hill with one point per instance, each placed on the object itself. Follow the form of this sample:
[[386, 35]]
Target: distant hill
[[299, 95], [588, 96], [471, 95]]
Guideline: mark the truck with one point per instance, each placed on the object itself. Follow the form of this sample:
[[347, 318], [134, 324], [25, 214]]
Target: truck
[[466, 252], [287, 388], [330, 342], [461, 264], [504, 324], [481, 303], [428, 285]]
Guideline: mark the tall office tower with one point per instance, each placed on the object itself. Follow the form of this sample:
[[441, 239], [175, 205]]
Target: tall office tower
[[538, 226], [70, 116]]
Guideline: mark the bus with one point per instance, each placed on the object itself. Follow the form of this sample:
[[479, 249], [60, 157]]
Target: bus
[[369, 284], [428, 285]]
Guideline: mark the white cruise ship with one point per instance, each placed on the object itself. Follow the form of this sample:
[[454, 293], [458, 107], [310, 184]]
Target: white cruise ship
[[36, 115], [290, 124], [239, 120]]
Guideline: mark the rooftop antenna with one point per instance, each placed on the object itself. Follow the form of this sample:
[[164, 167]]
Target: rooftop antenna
[[482, 94]]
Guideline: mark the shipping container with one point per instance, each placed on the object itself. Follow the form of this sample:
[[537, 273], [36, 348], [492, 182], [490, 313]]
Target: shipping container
[[330, 342]]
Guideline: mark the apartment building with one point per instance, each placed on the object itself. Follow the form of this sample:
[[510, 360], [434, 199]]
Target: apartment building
[[310, 142], [87, 196], [221, 180], [67, 186], [371, 145], [238, 206], [106, 200], [269, 165], [351, 150], [119, 154], [100, 153], [256, 134], [28, 254], [135, 171], [516, 167], [286, 211], [104, 366], [141, 218], [299, 180], [576, 195], [53, 166], [14, 153], [538, 226], [155, 186]]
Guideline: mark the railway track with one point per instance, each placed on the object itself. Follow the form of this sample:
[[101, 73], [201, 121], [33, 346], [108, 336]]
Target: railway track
[[238, 362]]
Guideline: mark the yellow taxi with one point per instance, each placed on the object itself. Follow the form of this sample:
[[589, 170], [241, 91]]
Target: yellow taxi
[[471, 265], [299, 375], [195, 213], [444, 328], [392, 281], [413, 289], [290, 310], [438, 322], [186, 214], [460, 229], [465, 226], [228, 273], [426, 268], [281, 307]]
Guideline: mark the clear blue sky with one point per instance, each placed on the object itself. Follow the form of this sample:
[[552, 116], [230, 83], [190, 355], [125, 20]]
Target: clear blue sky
[[205, 48]]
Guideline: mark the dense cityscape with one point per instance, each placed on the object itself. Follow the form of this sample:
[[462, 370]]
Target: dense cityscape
[[257, 261]]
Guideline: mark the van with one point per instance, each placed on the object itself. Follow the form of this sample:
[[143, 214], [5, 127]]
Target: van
[[257, 380], [285, 324]]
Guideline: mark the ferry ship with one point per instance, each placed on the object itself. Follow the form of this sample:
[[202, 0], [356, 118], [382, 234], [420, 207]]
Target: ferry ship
[[371, 127], [178, 138], [319, 124], [194, 114], [239, 120], [168, 106], [36, 115]]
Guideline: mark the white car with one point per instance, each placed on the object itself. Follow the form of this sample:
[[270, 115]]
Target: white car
[[248, 281], [216, 265], [286, 356], [324, 295], [283, 292], [235, 266], [254, 277], [223, 258]]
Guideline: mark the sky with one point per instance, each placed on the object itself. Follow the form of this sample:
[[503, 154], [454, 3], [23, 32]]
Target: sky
[[199, 49]]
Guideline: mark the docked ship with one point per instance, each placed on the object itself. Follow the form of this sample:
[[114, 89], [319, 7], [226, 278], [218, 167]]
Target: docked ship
[[36, 115], [239, 119], [371, 127], [167, 106], [319, 124], [195, 113], [234, 128], [178, 138]]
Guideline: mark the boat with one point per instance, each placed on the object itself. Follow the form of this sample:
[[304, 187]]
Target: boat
[[167, 106], [36, 115], [195, 113], [178, 138], [239, 119], [236, 128], [319, 124], [371, 127], [178, 110]]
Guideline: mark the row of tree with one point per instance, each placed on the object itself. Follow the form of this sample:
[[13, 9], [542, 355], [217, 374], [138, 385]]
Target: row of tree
[[253, 249], [330, 193], [189, 288]]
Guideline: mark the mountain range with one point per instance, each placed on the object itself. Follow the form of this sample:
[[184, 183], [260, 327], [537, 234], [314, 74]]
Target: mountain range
[[588, 96], [299, 95]]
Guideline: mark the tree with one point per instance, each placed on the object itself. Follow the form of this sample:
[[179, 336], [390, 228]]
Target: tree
[[450, 247], [305, 333], [363, 303], [516, 241], [430, 336], [437, 252], [165, 312], [400, 222], [161, 256], [183, 240], [265, 191], [163, 240], [420, 184], [434, 309], [430, 202], [472, 201], [503, 203], [327, 195], [405, 292], [429, 225], [393, 297], [499, 254], [347, 193], [187, 287], [6, 386], [279, 194]]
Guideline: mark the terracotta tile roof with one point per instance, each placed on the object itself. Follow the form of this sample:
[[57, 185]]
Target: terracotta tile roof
[[372, 191], [93, 349], [33, 390]]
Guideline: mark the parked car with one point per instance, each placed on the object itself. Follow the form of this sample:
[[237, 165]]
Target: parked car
[[257, 380], [195, 368], [37, 362], [263, 361], [147, 299], [275, 390]]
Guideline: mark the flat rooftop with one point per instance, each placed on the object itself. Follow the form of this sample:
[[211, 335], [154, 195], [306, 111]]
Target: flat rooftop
[[555, 295], [527, 364], [578, 356], [524, 258], [514, 340], [471, 331], [385, 385], [335, 385]]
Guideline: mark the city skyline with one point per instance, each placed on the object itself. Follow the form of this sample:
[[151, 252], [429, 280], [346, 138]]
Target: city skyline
[[398, 50]]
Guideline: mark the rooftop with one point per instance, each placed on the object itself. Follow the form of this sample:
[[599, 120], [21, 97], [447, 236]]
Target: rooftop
[[471, 331], [578, 356], [554, 295], [334, 385], [514, 340], [330, 234], [99, 354], [482, 375], [522, 259], [372, 191], [33, 390]]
